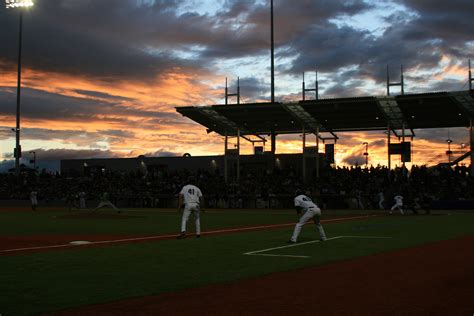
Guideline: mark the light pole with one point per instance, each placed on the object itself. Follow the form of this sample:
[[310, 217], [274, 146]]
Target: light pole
[[366, 154], [449, 151], [18, 4]]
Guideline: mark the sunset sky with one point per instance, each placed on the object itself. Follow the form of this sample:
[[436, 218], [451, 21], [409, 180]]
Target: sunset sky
[[102, 78]]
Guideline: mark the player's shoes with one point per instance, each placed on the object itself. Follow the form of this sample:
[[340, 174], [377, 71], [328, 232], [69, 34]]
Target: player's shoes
[[291, 242], [323, 239], [198, 236], [182, 236]]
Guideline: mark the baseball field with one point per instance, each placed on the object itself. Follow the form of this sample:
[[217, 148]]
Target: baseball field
[[59, 262]]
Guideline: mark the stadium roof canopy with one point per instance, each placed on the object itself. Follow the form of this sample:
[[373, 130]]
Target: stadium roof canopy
[[409, 111]]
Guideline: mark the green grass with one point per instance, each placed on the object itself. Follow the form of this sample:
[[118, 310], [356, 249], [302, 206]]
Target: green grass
[[130, 222], [47, 281]]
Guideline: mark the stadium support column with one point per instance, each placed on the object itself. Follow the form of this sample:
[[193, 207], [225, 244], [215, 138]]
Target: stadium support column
[[226, 141], [271, 164], [238, 155], [303, 155], [471, 140], [388, 150], [317, 152], [403, 142], [273, 142]]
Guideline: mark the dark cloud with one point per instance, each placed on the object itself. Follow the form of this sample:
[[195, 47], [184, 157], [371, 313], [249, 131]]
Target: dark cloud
[[50, 159], [101, 95], [104, 39], [80, 138], [378, 143], [250, 89], [350, 87], [136, 39], [418, 41], [450, 21], [354, 160], [293, 20], [108, 40], [162, 153], [440, 135], [37, 104]]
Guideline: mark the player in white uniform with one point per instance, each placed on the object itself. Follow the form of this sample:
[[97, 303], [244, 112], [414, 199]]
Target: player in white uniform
[[105, 201], [303, 204], [190, 197], [82, 200], [34, 200], [381, 200], [398, 204]]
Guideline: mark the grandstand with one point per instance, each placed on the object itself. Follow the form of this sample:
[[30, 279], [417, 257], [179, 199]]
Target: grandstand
[[398, 115]]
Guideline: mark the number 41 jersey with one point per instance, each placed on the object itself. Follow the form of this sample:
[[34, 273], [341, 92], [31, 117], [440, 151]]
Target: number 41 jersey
[[191, 194], [304, 202]]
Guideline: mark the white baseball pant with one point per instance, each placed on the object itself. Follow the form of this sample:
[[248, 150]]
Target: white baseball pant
[[188, 209], [315, 214]]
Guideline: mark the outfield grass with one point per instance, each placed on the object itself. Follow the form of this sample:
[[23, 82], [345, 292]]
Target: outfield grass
[[47, 281], [129, 222]]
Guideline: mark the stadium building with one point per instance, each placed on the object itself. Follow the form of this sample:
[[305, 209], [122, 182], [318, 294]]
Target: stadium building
[[258, 123]]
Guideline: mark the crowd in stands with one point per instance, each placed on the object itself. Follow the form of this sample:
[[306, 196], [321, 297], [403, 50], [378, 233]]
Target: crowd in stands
[[342, 187]]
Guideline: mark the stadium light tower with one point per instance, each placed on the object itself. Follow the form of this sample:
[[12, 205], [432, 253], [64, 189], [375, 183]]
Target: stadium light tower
[[449, 152], [21, 4]]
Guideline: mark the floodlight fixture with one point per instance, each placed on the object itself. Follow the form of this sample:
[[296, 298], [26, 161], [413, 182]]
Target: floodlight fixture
[[10, 4], [366, 154]]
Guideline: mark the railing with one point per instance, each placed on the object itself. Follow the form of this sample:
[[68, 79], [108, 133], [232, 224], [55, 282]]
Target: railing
[[442, 159]]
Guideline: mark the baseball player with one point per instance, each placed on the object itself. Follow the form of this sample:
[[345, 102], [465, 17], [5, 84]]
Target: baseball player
[[190, 198], [82, 200], [71, 201], [303, 204], [105, 201], [381, 199], [34, 200], [398, 204]]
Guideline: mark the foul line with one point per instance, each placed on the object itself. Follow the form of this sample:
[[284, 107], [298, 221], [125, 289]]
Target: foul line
[[212, 232], [259, 252]]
